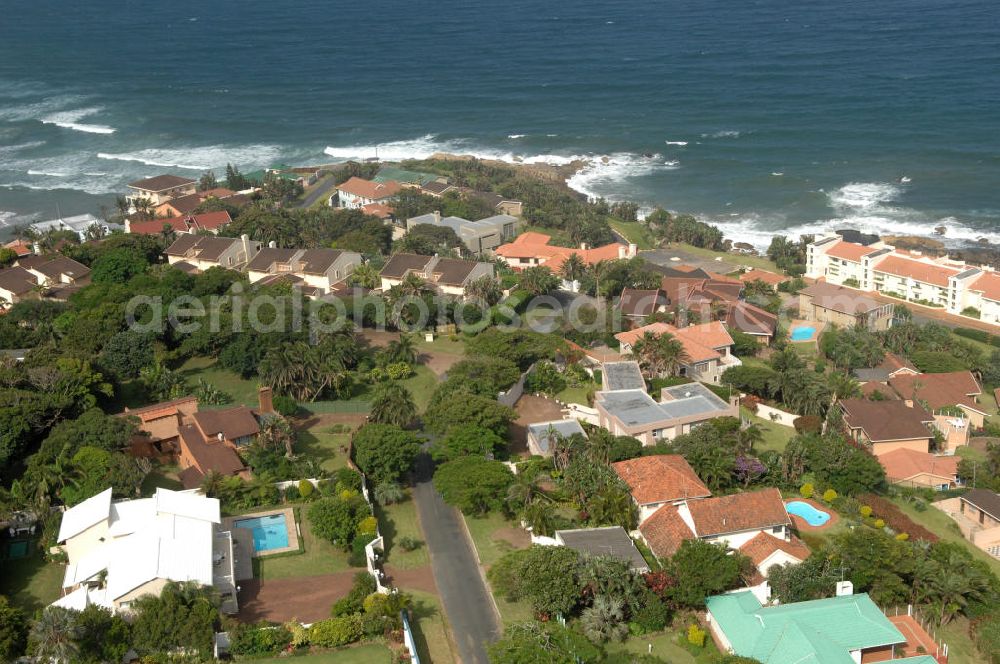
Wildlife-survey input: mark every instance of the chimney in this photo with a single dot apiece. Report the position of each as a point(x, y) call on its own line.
point(265, 397)
point(437, 217)
point(844, 588)
point(633, 250)
point(583, 246)
point(245, 239)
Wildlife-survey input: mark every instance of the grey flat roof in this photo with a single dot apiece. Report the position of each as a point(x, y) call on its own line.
point(877, 375)
point(623, 376)
point(610, 541)
point(632, 407)
point(635, 407)
point(565, 428)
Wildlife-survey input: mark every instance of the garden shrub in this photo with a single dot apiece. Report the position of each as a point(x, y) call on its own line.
point(364, 585)
point(285, 405)
point(696, 636)
point(892, 516)
point(305, 489)
point(357, 556)
point(879, 523)
point(865, 511)
point(260, 639)
point(902, 537)
point(409, 543)
point(807, 490)
point(300, 633)
point(292, 494)
point(346, 478)
point(808, 424)
point(652, 614)
point(335, 632)
point(368, 526)
point(829, 495)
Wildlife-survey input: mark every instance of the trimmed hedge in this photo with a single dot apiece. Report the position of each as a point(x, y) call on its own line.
point(978, 335)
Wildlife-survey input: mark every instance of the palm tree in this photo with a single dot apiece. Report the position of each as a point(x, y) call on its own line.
point(387, 493)
point(660, 355)
point(365, 276)
point(55, 635)
point(605, 620)
point(393, 404)
point(540, 518)
point(403, 349)
point(613, 506)
point(599, 449)
point(747, 437)
point(525, 490)
point(537, 280)
point(276, 433)
point(598, 270)
point(573, 268)
point(485, 289)
point(211, 484)
point(413, 285)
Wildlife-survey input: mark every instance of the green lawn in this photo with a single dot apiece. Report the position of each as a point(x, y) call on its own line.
point(317, 557)
point(398, 521)
point(430, 629)
point(961, 650)
point(372, 653)
point(941, 525)
point(578, 394)
point(421, 385)
point(760, 262)
point(666, 646)
point(482, 529)
point(31, 583)
point(161, 477)
point(776, 436)
point(443, 345)
point(323, 444)
point(241, 390)
point(634, 232)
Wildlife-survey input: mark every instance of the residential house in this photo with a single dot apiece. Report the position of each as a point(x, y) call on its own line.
point(315, 271)
point(533, 249)
point(159, 427)
point(957, 389)
point(357, 192)
point(207, 222)
point(884, 426)
point(636, 305)
point(913, 468)
point(204, 252)
point(658, 480)
point(770, 278)
point(380, 210)
point(448, 276)
point(843, 307)
point(708, 347)
point(501, 204)
point(890, 366)
point(86, 226)
point(982, 295)
point(610, 541)
point(16, 285)
point(209, 441)
point(20, 247)
point(120, 551)
point(681, 408)
point(750, 319)
point(438, 188)
point(622, 375)
point(541, 435)
point(478, 237)
point(847, 629)
point(766, 551)
point(977, 514)
point(161, 188)
point(184, 205)
point(731, 520)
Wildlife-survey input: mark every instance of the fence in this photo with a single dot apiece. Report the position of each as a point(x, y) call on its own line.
point(919, 632)
point(776, 415)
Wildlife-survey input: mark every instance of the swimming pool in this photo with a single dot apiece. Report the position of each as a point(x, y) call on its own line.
point(269, 532)
point(812, 516)
point(17, 549)
point(803, 332)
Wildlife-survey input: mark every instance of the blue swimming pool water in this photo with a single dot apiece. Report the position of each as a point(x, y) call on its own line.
point(813, 516)
point(803, 333)
point(269, 532)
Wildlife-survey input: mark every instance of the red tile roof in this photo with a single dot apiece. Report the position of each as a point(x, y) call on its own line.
point(699, 341)
point(380, 210)
point(769, 278)
point(903, 464)
point(536, 245)
point(664, 531)
point(738, 512)
point(763, 545)
point(660, 478)
point(887, 420)
point(368, 189)
point(192, 223)
point(939, 389)
point(927, 273)
point(988, 285)
point(850, 251)
point(19, 247)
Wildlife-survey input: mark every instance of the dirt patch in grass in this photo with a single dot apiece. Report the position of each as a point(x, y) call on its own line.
point(531, 409)
point(516, 537)
point(307, 598)
point(418, 578)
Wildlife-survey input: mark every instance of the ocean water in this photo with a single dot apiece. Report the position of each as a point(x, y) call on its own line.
point(765, 117)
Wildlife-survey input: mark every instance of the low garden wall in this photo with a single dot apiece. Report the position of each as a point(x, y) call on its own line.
point(776, 415)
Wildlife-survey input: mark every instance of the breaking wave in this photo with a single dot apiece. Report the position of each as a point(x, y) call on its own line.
point(69, 120)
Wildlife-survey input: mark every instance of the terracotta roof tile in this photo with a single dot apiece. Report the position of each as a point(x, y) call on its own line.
point(664, 531)
point(380, 210)
point(886, 420)
point(938, 389)
point(769, 278)
point(660, 478)
point(214, 455)
point(738, 512)
point(699, 341)
point(902, 464)
point(850, 251)
point(763, 545)
point(232, 423)
point(536, 245)
point(192, 223)
point(917, 270)
point(368, 189)
point(988, 285)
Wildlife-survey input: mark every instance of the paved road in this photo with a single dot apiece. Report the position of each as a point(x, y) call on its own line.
point(322, 190)
point(467, 602)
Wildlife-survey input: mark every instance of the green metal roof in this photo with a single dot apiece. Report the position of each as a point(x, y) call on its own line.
point(258, 176)
point(402, 175)
point(821, 631)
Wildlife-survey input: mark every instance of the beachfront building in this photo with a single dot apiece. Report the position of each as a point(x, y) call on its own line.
point(708, 347)
point(187, 204)
point(203, 252)
point(16, 285)
point(316, 271)
point(913, 276)
point(500, 204)
point(533, 249)
point(448, 276)
point(160, 189)
point(824, 302)
point(86, 226)
point(846, 629)
point(357, 192)
point(194, 224)
point(120, 551)
point(633, 412)
point(478, 237)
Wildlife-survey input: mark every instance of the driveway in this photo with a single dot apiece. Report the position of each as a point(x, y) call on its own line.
point(467, 602)
point(322, 189)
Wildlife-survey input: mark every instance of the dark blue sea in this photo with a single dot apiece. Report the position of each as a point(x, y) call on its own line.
point(766, 117)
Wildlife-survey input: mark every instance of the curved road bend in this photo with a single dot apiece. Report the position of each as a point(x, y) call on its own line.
point(467, 602)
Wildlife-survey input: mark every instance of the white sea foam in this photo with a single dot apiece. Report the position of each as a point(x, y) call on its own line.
point(603, 176)
point(515, 136)
point(201, 158)
point(48, 173)
point(726, 133)
point(681, 143)
point(70, 120)
point(867, 196)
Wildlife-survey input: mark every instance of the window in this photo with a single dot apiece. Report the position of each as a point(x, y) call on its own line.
point(777, 530)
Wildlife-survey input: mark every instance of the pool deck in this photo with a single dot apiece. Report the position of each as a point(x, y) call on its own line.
point(245, 535)
point(817, 330)
point(803, 526)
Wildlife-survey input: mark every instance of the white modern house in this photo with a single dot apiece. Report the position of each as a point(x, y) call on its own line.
point(86, 226)
point(120, 551)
